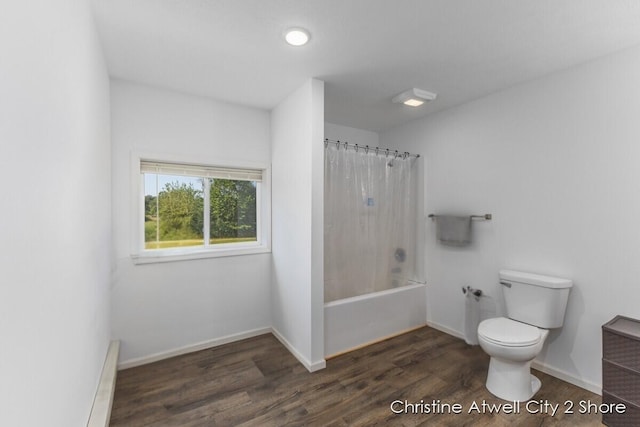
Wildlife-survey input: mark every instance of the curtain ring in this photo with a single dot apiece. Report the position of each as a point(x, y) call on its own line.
point(396, 155)
point(366, 149)
point(337, 145)
point(357, 148)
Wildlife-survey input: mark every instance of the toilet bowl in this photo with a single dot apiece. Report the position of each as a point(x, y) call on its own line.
point(512, 346)
point(534, 304)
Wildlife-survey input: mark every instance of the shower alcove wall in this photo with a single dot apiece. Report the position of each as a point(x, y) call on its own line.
point(373, 286)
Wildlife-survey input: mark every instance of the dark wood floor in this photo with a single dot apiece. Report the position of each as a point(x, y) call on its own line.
point(256, 382)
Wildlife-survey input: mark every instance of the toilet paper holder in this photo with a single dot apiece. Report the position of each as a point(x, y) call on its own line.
point(477, 293)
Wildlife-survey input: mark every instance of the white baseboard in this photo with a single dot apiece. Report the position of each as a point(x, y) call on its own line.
point(321, 364)
point(101, 410)
point(311, 366)
point(138, 361)
point(565, 376)
point(445, 329)
point(554, 372)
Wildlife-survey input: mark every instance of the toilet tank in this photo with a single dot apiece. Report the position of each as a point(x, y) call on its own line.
point(535, 299)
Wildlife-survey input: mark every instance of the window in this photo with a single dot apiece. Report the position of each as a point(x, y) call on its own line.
point(195, 211)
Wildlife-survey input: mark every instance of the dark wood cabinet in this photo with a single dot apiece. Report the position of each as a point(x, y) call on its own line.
point(621, 370)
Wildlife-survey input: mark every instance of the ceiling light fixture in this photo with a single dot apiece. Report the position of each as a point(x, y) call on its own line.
point(414, 97)
point(297, 36)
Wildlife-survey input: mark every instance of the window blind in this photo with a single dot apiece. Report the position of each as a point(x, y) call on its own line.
point(236, 174)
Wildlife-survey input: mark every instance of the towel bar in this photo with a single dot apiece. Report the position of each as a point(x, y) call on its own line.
point(485, 217)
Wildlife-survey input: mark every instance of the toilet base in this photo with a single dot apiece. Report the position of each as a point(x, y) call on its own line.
point(535, 385)
point(511, 381)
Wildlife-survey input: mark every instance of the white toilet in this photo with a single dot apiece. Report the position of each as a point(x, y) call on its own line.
point(534, 305)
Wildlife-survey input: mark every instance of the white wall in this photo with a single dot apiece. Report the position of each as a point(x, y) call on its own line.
point(556, 161)
point(161, 308)
point(297, 198)
point(55, 215)
point(351, 135)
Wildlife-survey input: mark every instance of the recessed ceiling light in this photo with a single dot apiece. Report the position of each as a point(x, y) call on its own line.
point(297, 36)
point(414, 97)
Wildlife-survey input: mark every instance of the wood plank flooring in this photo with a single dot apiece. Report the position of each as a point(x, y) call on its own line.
point(257, 382)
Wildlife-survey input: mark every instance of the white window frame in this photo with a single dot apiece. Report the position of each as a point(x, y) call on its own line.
point(140, 255)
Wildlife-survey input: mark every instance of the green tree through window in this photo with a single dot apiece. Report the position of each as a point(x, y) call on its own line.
point(174, 215)
point(233, 209)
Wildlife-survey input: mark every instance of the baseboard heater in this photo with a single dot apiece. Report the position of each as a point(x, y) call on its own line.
point(101, 410)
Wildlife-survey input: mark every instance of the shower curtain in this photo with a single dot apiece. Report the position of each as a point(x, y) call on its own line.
point(370, 232)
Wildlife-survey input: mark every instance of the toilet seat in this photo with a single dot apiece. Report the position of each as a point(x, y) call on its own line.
point(509, 333)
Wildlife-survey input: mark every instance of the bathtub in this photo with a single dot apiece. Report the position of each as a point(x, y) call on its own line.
point(354, 322)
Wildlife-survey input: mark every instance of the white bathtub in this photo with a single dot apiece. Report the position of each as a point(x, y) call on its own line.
point(357, 321)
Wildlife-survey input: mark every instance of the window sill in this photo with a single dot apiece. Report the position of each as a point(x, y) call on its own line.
point(153, 257)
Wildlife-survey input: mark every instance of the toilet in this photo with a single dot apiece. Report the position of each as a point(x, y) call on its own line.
point(534, 304)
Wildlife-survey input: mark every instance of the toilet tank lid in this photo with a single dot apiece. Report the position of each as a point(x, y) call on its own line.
point(535, 279)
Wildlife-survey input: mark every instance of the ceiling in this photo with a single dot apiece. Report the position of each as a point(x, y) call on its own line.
point(367, 51)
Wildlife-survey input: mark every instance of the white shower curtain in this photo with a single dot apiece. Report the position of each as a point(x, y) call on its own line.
point(369, 221)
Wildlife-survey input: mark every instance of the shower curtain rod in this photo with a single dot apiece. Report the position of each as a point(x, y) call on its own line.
point(386, 151)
